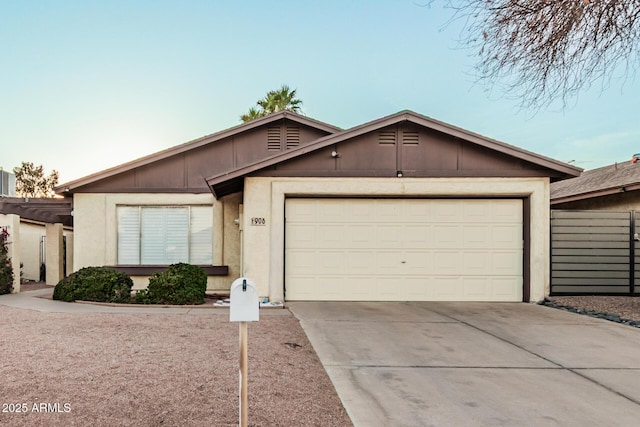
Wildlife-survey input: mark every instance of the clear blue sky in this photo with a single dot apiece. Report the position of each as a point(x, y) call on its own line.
point(86, 85)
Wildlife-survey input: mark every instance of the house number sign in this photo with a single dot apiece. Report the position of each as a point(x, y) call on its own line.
point(258, 221)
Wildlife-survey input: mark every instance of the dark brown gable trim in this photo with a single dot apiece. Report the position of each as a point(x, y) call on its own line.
point(69, 187)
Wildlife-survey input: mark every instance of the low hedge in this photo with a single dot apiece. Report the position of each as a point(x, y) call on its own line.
point(100, 284)
point(180, 284)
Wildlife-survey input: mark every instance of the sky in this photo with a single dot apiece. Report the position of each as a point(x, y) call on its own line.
point(87, 85)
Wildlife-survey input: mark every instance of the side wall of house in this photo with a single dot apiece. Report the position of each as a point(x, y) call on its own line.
point(11, 223)
point(264, 198)
point(96, 230)
point(615, 202)
point(31, 234)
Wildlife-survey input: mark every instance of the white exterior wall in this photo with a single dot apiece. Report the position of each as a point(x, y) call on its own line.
point(96, 229)
point(12, 222)
point(263, 245)
point(30, 235)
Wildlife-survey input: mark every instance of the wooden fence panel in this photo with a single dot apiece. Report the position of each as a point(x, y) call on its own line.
point(591, 252)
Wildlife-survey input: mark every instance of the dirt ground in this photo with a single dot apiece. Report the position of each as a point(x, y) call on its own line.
point(100, 369)
point(173, 369)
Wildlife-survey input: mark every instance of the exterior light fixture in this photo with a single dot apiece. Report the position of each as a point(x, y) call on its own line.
point(335, 154)
point(399, 174)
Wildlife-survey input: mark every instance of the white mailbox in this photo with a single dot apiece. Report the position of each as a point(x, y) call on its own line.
point(244, 303)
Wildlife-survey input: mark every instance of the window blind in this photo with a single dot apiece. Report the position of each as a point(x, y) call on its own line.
point(162, 235)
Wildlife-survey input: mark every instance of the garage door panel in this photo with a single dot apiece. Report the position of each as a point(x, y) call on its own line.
point(507, 288)
point(386, 212)
point(359, 235)
point(448, 211)
point(506, 211)
point(446, 262)
point(506, 263)
point(476, 263)
point(389, 236)
point(447, 288)
point(330, 235)
point(332, 212)
point(475, 288)
point(305, 288)
point(447, 236)
point(302, 261)
point(360, 287)
point(476, 236)
point(398, 250)
point(331, 262)
point(418, 262)
point(476, 212)
point(416, 211)
point(359, 262)
point(300, 236)
point(388, 262)
point(417, 236)
point(332, 286)
point(359, 211)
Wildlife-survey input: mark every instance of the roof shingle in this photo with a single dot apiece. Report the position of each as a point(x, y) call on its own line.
point(597, 182)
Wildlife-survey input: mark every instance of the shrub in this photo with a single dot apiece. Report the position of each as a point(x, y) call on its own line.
point(101, 284)
point(6, 269)
point(179, 284)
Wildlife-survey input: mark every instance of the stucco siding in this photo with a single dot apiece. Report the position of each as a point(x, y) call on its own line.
point(30, 236)
point(89, 225)
point(96, 230)
point(264, 197)
point(626, 201)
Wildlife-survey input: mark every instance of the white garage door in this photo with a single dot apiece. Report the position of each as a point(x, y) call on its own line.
point(403, 250)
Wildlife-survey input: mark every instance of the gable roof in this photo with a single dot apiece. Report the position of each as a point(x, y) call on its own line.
point(196, 143)
point(49, 210)
point(603, 181)
point(228, 182)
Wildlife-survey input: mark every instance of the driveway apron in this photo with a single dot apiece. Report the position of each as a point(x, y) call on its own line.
point(475, 364)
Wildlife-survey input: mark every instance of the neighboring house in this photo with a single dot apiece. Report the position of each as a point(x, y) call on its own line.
point(401, 208)
point(44, 236)
point(613, 187)
point(595, 232)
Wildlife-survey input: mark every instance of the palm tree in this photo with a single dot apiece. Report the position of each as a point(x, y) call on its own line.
point(275, 100)
point(253, 113)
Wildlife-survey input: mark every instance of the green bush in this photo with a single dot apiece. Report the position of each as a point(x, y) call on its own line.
point(101, 284)
point(179, 284)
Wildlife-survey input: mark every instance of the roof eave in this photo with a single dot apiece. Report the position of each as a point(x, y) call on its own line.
point(66, 188)
point(493, 144)
point(594, 194)
point(564, 168)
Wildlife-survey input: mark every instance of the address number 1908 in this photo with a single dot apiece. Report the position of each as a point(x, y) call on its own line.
point(258, 221)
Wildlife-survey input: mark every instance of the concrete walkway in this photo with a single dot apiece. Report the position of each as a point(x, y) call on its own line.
point(475, 364)
point(33, 300)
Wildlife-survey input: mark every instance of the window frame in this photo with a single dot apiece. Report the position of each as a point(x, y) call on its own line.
point(188, 208)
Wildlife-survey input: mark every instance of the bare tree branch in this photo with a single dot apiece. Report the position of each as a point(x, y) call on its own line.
point(543, 51)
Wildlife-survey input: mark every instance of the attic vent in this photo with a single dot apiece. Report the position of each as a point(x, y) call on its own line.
point(410, 137)
point(293, 137)
point(273, 138)
point(387, 137)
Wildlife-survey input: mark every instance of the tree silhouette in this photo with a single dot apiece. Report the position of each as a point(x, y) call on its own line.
point(547, 51)
point(275, 100)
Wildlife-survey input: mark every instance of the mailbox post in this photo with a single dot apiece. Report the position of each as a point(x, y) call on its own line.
point(244, 307)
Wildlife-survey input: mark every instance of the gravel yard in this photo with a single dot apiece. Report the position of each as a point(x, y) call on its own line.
point(179, 369)
point(102, 369)
point(623, 309)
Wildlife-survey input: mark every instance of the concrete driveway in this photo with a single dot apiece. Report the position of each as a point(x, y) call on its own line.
point(475, 364)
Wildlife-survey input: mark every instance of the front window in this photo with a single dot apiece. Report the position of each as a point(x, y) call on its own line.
point(162, 235)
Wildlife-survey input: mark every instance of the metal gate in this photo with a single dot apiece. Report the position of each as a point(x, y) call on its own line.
point(594, 252)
